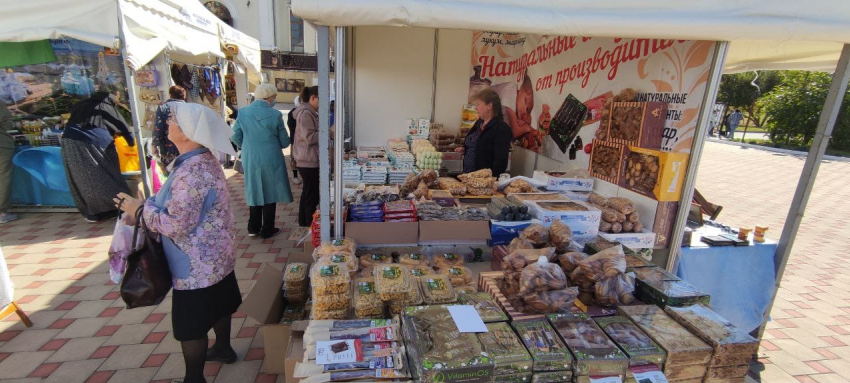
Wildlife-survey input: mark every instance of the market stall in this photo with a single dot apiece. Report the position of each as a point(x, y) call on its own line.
point(130, 53)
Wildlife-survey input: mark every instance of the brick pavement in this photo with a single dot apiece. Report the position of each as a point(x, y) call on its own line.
point(808, 339)
point(82, 333)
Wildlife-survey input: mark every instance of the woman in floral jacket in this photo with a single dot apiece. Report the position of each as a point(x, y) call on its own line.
point(192, 214)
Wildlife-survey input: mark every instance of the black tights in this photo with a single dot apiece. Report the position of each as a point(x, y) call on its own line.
point(195, 351)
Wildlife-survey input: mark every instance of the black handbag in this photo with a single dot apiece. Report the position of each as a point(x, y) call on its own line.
point(147, 279)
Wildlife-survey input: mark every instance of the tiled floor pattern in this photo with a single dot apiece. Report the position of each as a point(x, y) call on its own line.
point(82, 333)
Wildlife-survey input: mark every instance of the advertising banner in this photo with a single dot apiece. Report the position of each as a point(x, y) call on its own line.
point(554, 89)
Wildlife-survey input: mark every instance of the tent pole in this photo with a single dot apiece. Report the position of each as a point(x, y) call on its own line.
point(828, 116)
point(712, 86)
point(131, 95)
point(324, 128)
point(434, 75)
point(339, 132)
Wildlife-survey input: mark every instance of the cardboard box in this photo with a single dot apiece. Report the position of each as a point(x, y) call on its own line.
point(454, 232)
point(383, 233)
point(651, 118)
point(553, 182)
point(545, 346)
point(582, 196)
point(665, 219)
point(667, 185)
point(583, 223)
point(265, 305)
point(643, 240)
point(635, 343)
point(602, 357)
point(683, 348)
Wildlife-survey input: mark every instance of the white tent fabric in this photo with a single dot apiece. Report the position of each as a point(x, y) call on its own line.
point(249, 51)
point(765, 34)
point(94, 21)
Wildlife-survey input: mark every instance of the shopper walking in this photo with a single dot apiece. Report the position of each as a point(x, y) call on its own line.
point(163, 149)
point(7, 151)
point(193, 216)
point(305, 150)
point(260, 133)
point(89, 156)
point(734, 120)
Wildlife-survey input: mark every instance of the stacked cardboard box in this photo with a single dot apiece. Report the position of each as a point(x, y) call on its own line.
point(687, 355)
point(733, 348)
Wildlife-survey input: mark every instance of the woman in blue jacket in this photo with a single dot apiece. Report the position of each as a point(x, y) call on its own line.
point(261, 134)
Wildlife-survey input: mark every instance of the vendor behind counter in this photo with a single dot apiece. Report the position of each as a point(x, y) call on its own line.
point(488, 143)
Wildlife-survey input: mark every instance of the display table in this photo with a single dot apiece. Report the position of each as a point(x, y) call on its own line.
point(740, 279)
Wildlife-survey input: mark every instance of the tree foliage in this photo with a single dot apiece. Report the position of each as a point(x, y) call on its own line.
point(737, 91)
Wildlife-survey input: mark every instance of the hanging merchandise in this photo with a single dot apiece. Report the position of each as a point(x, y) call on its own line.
point(203, 83)
point(176, 74)
point(186, 77)
point(195, 89)
point(148, 78)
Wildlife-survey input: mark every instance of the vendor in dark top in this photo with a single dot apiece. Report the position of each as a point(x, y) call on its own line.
point(488, 143)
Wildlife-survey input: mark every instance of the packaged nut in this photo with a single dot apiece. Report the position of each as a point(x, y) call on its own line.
point(346, 259)
point(367, 304)
point(560, 236)
point(414, 259)
point(520, 259)
point(367, 272)
point(420, 271)
point(604, 264)
point(330, 279)
point(518, 243)
point(295, 275)
point(535, 233)
point(444, 260)
point(458, 275)
point(372, 259)
point(483, 173)
point(616, 290)
point(392, 281)
point(413, 297)
point(555, 301)
point(344, 245)
point(486, 306)
point(466, 290)
point(542, 276)
point(333, 314)
point(437, 289)
point(569, 261)
point(331, 302)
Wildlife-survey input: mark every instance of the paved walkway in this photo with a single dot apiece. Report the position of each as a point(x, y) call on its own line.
point(809, 337)
point(83, 334)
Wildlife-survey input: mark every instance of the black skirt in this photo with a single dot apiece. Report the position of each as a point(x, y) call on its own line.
point(194, 312)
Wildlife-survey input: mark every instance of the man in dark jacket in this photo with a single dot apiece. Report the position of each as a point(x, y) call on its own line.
point(290, 123)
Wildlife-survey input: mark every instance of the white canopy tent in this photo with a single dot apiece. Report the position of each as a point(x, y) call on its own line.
point(143, 29)
point(755, 34)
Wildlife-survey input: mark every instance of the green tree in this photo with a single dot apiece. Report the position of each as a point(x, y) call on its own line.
point(793, 108)
point(738, 91)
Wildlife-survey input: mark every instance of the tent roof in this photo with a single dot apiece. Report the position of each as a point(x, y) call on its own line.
point(765, 34)
point(150, 26)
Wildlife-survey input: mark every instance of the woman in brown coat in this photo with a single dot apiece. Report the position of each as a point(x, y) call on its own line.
point(305, 150)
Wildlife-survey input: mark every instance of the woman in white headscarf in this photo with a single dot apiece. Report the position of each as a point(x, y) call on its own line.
point(192, 214)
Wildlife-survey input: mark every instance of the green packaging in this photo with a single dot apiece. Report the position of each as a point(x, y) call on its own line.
point(594, 352)
point(638, 346)
point(506, 349)
point(486, 306)
point(670, 293)
point(544, 345)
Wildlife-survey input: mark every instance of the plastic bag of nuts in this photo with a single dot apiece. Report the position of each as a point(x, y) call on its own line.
point(555, 301)
point(519, 243)
point(542, 276)
point(616, 290)
point(560, 236)
point(569, 261)
point(535, 233)
point(520, 259)
point(604, 264)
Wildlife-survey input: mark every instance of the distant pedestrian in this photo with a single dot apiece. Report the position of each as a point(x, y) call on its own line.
point(734, 120)
point(305, 150)
point(261, 134)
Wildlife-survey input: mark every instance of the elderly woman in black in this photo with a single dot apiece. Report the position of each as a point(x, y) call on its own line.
point(488, 143)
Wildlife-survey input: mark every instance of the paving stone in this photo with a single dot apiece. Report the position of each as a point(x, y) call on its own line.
point(128, 357)
point(77, 349)
point(21, 364)
point(83, 328)
point(74, 372)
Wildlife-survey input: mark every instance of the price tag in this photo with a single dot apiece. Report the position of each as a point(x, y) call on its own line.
point(648, 374)
point(339, 351)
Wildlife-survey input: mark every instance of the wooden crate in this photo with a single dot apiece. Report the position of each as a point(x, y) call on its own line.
point(683, 348)
point(652, 116)
point(594, 171)
point(732, 346)
point(487, 282)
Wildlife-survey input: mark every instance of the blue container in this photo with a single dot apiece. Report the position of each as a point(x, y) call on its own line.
point(38, 178)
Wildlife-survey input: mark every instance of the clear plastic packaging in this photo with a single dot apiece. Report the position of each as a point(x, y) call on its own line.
point(519, 243)
point(560, 235)
point(413, 297)
point(414, 259)
point(486, 306)
point(622, 205)
point(616, 290)
point(444, 260)
point(421, 271)
point(437, 289)
point(458, 275)
point(372, 259)
point(535, 233)
point(392, 281)
point(295, 276)
point(569, 261)
point(330, 279)
point(334, 314)
point(367, 304)
point(330, 302)
point(555, 301)
point(542, 276)
point(346, 245)
point(604, 264)
point(349, 260)
point(520, 259)
point(367, 272)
